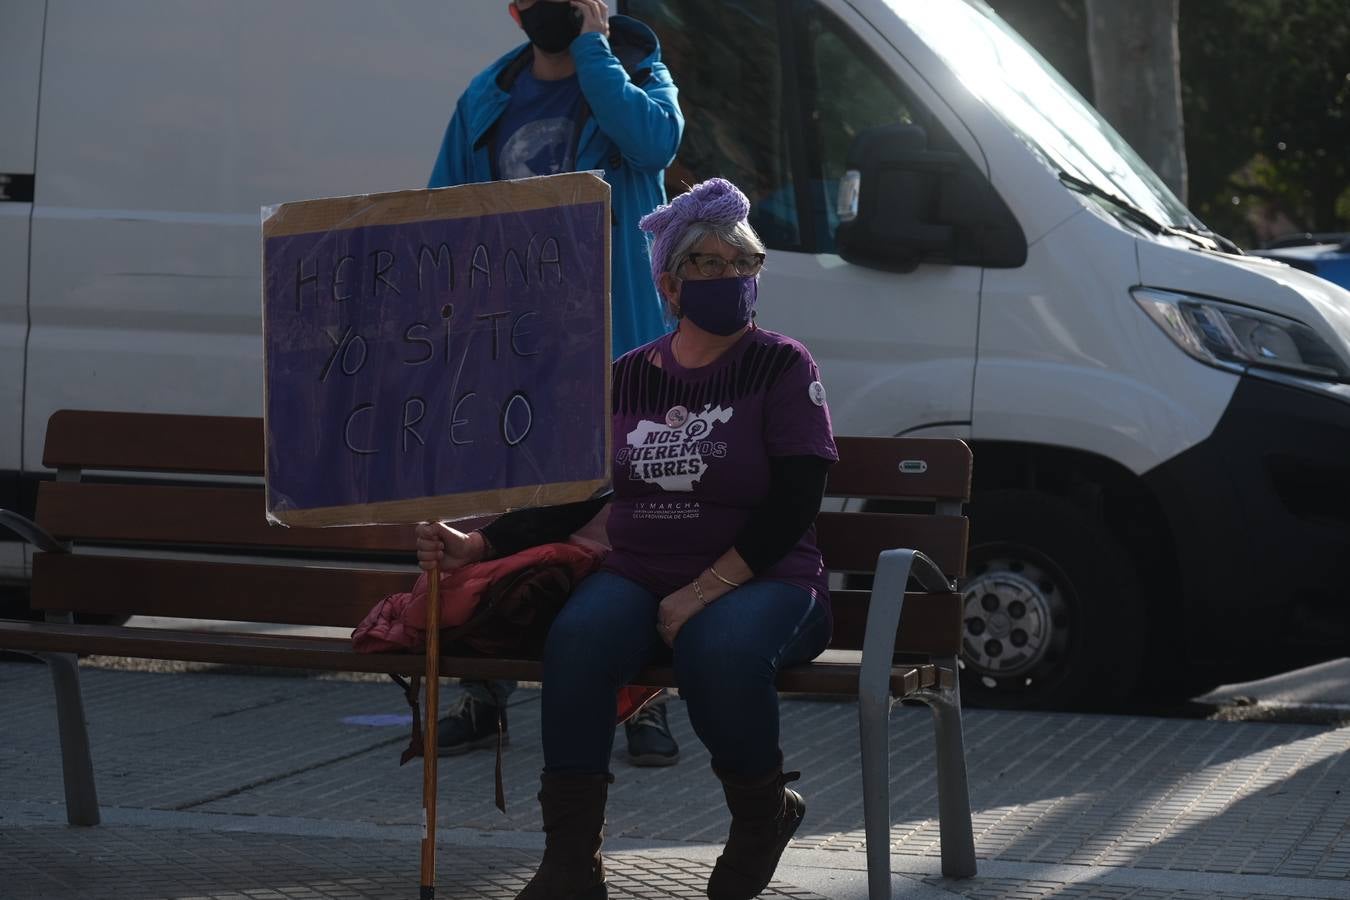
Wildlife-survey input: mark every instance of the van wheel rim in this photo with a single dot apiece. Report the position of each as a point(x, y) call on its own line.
point(1010, 611)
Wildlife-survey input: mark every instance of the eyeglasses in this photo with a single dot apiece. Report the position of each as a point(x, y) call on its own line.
point(710, 265)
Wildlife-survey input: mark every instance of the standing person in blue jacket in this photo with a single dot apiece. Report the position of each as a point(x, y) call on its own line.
point(588, 92)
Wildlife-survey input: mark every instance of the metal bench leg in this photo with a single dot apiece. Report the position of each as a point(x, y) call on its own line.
point(874, 713)
point(954, 826)
point(874, 731)
point(76, 763)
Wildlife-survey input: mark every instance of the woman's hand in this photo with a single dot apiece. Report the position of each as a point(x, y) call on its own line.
point(675, 610)
point(594, 15)
point(439, 544)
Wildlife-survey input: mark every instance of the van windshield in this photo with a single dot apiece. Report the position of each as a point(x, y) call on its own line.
point(1004, 72)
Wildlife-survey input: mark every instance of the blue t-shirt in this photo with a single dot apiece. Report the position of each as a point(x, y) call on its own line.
point(537, 134)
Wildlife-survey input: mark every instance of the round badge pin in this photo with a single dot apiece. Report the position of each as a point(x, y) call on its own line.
point(677, 416)
point(816, 390)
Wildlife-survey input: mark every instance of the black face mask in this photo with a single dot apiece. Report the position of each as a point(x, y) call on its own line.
point(550, 26)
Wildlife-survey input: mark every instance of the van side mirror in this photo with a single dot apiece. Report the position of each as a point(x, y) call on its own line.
point(901, 204)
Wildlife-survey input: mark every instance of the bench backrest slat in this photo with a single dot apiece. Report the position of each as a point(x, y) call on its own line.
point(154, 442)
point(168, 515)
point(157, 516)
point(929, 623)
point(851, 542)
point(176, 515)
point(902, 468)
point(298, 595)
point(229, 445)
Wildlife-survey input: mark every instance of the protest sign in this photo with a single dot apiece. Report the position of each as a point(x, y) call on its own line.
point(437, 354)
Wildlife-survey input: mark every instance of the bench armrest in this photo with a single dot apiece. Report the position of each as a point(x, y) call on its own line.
point(30, 532)
point(928, 575)
point(894, 569)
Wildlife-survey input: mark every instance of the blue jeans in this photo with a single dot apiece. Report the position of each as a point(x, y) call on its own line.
point(726, 659)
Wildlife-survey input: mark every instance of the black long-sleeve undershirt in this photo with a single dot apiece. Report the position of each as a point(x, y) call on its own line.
point(525, 528)
point(796, 486)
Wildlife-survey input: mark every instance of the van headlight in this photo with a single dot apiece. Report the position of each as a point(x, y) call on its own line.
point(1235, 337)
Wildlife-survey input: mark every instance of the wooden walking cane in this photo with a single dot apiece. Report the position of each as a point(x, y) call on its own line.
point(431, 710)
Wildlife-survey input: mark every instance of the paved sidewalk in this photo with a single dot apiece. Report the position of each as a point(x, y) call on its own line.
point(252, 787)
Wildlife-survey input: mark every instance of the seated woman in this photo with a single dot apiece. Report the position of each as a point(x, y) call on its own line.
point(722, 442)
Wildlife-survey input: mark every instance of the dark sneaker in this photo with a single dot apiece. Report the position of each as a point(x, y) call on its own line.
point(470, 725)
point(649, 739)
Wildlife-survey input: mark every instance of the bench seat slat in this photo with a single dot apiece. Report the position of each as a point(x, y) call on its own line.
point(341, 597)
point(335, 654)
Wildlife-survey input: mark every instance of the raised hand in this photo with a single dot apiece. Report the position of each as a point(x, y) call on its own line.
point(594, 15)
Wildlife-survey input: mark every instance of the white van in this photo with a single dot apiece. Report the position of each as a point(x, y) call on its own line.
point(1161, 428)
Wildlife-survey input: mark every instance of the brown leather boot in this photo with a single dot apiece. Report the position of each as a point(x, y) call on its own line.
point(574, 816)
point(764, 816)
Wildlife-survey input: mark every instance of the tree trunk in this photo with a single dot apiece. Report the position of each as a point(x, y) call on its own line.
point(1136, 77)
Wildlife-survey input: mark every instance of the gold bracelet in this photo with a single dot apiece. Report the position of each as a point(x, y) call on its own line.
point(727, 581)
point(698, 592)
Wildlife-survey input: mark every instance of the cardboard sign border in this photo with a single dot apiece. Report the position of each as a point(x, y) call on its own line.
point(443, 508)
point(405, 207)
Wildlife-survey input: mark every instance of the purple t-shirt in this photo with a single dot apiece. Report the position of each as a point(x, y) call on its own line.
point(692, 448)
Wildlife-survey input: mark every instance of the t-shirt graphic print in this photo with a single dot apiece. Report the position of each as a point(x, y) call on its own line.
point(674, 454)
point(536, 135)
point(692, 462)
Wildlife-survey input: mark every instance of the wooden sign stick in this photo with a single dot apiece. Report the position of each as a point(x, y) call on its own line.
point(429, 719)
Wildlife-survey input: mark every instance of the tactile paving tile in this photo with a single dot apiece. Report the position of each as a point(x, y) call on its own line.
point(1010, 889)
point(1117, 791)
point(1150, 793)
point(123, 863)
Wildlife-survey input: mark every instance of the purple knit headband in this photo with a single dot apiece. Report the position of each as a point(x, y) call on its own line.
point(715, 201)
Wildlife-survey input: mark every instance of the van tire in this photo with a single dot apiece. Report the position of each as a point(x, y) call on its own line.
point(1053, 617)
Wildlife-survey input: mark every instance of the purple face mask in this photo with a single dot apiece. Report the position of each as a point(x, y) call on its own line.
point(719, 305)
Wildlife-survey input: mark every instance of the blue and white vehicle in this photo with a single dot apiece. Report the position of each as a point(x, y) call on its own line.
point(1161, 425)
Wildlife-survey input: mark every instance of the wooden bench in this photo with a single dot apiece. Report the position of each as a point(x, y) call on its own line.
point(171, 537)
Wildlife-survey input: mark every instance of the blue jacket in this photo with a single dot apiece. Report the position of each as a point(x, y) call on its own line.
point(631, 129)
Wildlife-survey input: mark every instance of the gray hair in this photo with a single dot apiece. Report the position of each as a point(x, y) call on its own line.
point(739, 235)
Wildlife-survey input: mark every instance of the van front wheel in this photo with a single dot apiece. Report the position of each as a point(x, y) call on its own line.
point(1052, 618)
